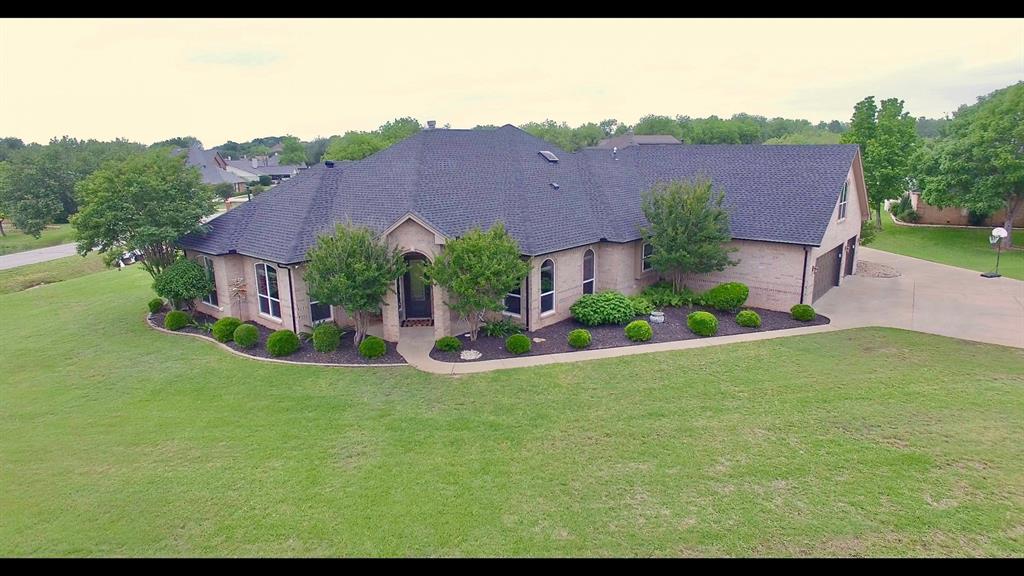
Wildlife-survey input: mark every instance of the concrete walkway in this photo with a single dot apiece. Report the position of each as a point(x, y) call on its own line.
point(927, 297)
point(37, 255)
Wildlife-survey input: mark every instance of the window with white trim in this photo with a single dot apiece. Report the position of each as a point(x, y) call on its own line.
point(514, 302)
point(210, 298)
point(547, 287)
point(320, 312)
point(648, 249)
point(588, 272)
point(842, 201)
point(266, 290)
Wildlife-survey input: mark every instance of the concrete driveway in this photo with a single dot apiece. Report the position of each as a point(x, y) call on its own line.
point(929, 297)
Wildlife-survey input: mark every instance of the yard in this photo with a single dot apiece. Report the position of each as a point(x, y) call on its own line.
point(58, 270)
point(18, 241)
point(119, 440)
point(963, 247)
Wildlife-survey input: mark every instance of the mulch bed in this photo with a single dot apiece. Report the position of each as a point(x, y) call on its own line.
point(613, 335)
point(345, 354)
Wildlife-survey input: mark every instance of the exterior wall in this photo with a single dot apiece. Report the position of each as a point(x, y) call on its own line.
point(955, 216)
point(411, 236)
point(771, 270)
point(227, 269)
point(838, 233)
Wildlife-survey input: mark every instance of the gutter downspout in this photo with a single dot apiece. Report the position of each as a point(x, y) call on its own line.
point(803, 278)
point(291, 292)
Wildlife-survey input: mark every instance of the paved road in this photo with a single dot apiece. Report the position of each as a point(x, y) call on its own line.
point(930, 297)
point(37, 255)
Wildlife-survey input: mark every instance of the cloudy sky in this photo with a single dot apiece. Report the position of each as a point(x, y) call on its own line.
point(148, 80)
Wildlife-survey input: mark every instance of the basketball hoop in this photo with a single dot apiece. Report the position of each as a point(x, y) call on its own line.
point(995, 238)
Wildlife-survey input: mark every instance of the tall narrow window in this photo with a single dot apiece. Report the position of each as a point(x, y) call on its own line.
point(266, 290)
point(547, 287)
point(648, 250)
point(588, 272)
point(842, 202)
point(320, 312)
point(514, 302)
point(210, 298)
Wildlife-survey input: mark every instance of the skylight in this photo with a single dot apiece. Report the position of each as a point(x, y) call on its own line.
point(548, 156)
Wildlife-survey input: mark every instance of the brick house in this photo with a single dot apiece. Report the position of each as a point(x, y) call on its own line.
point(795, 215)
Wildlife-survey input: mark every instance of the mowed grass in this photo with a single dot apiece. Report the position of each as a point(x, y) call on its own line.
point(18, 241)
point(963, 247)
point(119, 440)
point(57, 270)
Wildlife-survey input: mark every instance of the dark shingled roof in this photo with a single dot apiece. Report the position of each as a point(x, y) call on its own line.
point(456, 179)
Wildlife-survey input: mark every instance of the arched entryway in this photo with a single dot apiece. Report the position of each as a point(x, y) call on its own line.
point(415, 304)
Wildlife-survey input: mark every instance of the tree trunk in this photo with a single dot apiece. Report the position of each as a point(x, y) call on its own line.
point(878, 215)
point(360, 334)
point(474, 324)
point(2, 233)
point(1013, 207)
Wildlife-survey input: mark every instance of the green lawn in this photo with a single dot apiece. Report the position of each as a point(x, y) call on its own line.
point(963, 247)
point(119, 440)
point(30, 275)
point(18, 241)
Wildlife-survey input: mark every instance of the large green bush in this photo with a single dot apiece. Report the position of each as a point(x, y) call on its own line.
point(448, 344)
point(607, 307)
point(727, 297)
point(182, 282)
point(224, 329)
point(326, 337)
point(176, 320)
point(802, 312)
point(579, 338)
point(702, 323)
point(282, 343)
point(372, 347)
point(748, 319)
point(639, 331)
point(156, 305)
point(246, 335)
point(664, 295)
point(518, 344)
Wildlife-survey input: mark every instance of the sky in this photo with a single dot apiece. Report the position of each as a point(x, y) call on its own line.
point(236, 79)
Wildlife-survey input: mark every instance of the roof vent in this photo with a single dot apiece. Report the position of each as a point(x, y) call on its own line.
point(431, 124)
point(554, 185)
point(548, 156)
point(615, 152)
point(329, 163)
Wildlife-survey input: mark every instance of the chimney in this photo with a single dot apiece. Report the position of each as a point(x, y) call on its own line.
point(615, 152)
point(431, 124)
point(329, 163)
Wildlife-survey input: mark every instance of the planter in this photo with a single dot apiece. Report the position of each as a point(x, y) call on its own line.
point(657, 317)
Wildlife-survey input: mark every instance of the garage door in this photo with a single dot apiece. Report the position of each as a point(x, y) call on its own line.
point(826, 271)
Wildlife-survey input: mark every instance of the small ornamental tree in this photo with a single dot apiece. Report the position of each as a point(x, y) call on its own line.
point(688, 229)
point(355, 270)
point(477, 270)
point(183, 282)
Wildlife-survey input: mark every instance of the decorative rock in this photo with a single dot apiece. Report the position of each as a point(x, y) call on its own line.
point(539, 340)
point(470, 355)
point(466, 334)
point(657, 317)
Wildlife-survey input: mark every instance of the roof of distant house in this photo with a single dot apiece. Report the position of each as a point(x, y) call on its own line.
point(631, 139)
point(454, 180)
point(211, 166)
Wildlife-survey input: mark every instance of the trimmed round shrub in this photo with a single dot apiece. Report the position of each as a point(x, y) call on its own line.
point(639, 331)
point(326, 337)
point(448, 344)
point(579, 338)
point(282, 343)
point(802, 312)
point(372, 347)
point(224, 329)
point(702, 323)
point(518, 344)
point(156, 305)
point(607, 307)
point(641, 306)
point(727, 297)
point(748, 319)
point(246, 335)
point(176, 320)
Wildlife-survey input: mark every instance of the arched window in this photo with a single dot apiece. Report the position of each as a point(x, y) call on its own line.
point(547, 287)
point(266, 290)
point(588, 272)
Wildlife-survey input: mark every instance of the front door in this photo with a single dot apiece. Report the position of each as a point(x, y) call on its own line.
point(415, 290)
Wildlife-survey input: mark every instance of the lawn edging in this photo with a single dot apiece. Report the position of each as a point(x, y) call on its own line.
point(274, 360)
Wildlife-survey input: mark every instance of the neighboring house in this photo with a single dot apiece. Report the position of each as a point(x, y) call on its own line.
point(252, 168)
point(951, 215)
point(795, 216)
point(212, 167)
point(631, 139)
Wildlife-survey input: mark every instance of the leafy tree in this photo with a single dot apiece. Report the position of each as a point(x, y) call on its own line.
point(812, 136)
point(931, 127)
point(355, 270)
point(688, 229)
point(255, 189)
point(224, 190)
point(979, 162)
point(652, 124)
point(485, 127)
point(182, 282)
point(397, 130)
point(867, 232)
point(29, 208)
point(353, 146)
point(293, 151)
point(477, 270)
point(8, 146)
point(144, 202)
point(178, 141)
point(265, 180)
point(315, 150)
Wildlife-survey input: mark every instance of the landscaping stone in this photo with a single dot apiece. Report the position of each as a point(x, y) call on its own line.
point(539, 340)
point(470, 355)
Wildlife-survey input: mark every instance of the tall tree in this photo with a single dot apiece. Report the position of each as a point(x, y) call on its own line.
point(397, 130)
point(979, 162)
point(353, 146)
point(315, 149)
point(178, 142)
point(143, 202)
point(9, 145)
point(653, 124)
point(477, 270)
point(293, 152)
point(355, 270)
point(688, 229)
